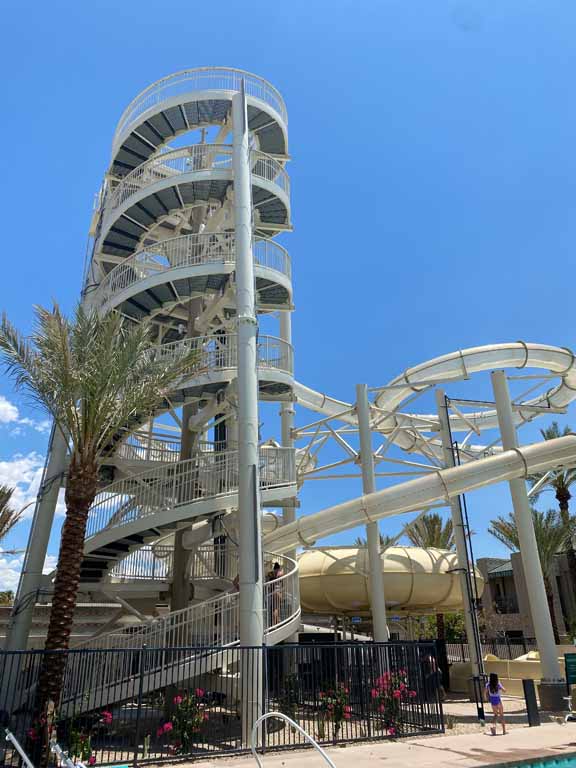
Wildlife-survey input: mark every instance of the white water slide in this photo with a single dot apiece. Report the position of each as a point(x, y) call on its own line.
point(405, 430)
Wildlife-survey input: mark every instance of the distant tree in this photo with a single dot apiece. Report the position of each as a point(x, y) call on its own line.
point(6, 598)
point(551, 536)
point(385, 541)
point(560, 481)
point(431, 531)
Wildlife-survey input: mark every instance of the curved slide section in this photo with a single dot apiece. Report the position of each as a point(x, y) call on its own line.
point(335, 580)
point(456, 366)
point(442, 485)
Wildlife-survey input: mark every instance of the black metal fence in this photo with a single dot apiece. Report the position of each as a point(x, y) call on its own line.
point(163, 704)
point(503, 649)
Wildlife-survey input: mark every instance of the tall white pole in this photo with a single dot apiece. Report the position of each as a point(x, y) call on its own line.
point(462, 554)
point(527, 540)
point(287, 423)
point(250, 547)
point(38, 538)
point(377, 597)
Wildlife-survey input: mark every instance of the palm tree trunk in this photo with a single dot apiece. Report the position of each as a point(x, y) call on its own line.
point(563, 497)
point(550, 598)
point(440, 627)
point(81, 487)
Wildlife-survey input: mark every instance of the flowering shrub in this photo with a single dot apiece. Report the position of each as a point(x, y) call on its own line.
point(334, 707)
point(188, 718)
point(81, 738)
point(389, 693)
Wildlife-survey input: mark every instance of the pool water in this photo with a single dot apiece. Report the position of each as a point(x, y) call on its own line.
point(551, 762)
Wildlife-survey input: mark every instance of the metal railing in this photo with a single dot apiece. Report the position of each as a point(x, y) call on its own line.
point(143, 446)
point(299, 681)
point(201, 78)
point(221, 352)
point(149, 563)
point(503, 649)
point(153, 562)
point(188, 251)
point(173, 485)
point(197, 157)
point(211, 622)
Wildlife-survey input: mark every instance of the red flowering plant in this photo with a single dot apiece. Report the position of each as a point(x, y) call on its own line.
point(389, 693)
point(189, 716)
point(81, 736)
point(335, 708)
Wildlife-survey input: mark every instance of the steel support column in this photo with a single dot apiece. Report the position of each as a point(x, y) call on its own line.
point(250, 547)
point(527, 539)
point(377, 597)
point(38, 538)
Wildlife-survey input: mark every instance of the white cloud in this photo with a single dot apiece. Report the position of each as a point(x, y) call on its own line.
point(23, 472)
point(10, 567)
point(9, 414)
point(8, 411)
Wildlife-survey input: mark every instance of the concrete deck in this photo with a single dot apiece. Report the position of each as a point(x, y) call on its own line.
point(464, 751)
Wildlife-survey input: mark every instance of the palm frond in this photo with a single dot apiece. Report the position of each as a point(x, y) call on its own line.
point(552, 535)
point(431, 530)
point(8, 516)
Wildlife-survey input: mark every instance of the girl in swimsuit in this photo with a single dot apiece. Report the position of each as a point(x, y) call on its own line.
point(493, 689)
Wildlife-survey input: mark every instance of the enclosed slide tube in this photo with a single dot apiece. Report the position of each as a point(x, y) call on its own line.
point(335, 581)
point(414, 495)
point(455, 366)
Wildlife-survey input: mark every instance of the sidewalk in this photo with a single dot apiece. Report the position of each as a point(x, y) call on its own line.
point(464, 751)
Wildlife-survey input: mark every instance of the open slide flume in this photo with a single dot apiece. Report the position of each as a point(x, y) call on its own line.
point(442, 485)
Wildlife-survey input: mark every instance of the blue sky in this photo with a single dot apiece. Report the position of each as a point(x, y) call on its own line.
point(433, 176)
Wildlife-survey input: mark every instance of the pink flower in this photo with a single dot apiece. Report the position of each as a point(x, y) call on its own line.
point(392, 731)
point(200, 692)
point(32, 734)
point(348, 709)
point(346, 690)
point(330, 707)
point(321, 695)
point(167, 727)
point(160, 731)
point(382, 708)
point(374, 693)
point(412, 694)
point(347, 715)
point(177, 700)
point(106, 717)
point(402, 687)
point(397, 694)
point(205, 715)
point(91, 760)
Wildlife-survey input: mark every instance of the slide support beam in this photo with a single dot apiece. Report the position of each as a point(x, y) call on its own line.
point(377, 596)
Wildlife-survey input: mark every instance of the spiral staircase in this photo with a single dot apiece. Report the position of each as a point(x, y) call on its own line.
point(164, 243)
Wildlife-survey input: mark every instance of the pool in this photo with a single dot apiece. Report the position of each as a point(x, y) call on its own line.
point(569, 761)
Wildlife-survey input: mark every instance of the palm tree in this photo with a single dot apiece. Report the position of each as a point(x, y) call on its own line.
point(6, 597)
point(8, 516)
point(551, 534)
point(560, 481)
point(432, 531)
point(385, 541)
point(94, 376)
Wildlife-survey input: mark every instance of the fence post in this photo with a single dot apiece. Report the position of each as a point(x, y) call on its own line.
point(462, 652)
point(508, 647)
point(139, 709)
